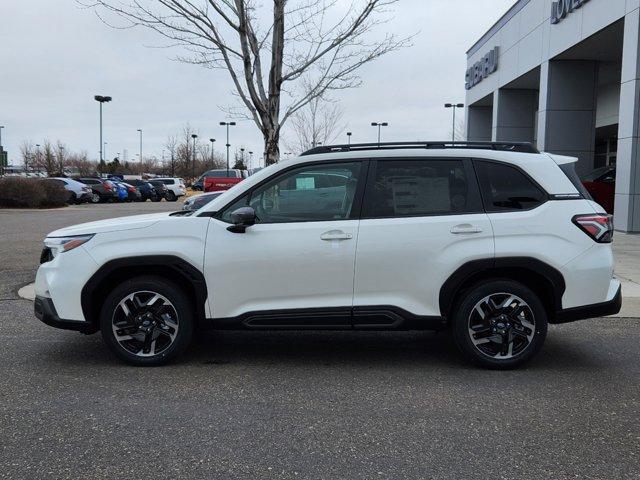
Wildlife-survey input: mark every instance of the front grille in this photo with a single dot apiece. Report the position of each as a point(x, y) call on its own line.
point(46, 255)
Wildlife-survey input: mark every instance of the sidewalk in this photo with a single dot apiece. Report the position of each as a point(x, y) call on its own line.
point(627, 252)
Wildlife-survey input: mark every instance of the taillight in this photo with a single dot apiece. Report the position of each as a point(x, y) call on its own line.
point(598, 226)
point(107, 186)
point(132, 189)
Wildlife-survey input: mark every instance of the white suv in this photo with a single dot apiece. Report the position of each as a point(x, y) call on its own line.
point(175, 188)
point(493, 241)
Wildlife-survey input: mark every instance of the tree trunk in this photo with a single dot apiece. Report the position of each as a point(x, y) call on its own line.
point(271, 145)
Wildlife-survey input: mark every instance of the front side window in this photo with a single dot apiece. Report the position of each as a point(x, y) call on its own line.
point(413, 188)
point(505, 188)
point(306, 194)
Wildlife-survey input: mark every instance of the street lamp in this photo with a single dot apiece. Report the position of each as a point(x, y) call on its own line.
point(1, 154)
point(242, 156)
point(61, 159)
point(228, 124)
point(213, 144)
point(379, 125)
point(250, 159)
point(105, 150)
point(193, 163)
point(349, 137)
point(454, 106)
point(140, 154)
point(37, 159)
point(101, 99)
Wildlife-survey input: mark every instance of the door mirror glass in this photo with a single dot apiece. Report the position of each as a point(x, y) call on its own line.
point(242, 218)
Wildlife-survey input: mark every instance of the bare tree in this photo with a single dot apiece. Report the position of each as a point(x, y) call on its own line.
point(318, 122)
point(27, 152)
point(172, 146)
point(283, 46)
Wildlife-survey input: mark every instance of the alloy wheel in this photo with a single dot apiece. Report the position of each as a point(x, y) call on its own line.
point(502, 326)
point(145, 323)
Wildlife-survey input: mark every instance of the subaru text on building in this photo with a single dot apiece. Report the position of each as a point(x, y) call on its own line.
point(493, 241)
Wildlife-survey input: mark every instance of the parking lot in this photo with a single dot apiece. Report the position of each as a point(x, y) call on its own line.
point(304, 404)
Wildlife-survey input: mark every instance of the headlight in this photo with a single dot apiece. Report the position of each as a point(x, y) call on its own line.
point(64, 244)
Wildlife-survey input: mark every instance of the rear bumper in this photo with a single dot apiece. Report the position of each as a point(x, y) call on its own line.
point(610, 307)
point(45, 311)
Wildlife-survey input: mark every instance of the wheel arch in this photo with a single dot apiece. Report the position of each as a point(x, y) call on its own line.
point(173, 268)
point(542, 278)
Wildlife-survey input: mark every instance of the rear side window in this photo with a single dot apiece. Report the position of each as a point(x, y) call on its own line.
point(505, 188)
point(415, 188)
point(168, 182)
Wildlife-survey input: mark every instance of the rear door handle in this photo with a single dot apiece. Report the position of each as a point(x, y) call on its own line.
point(465, 229)
point(335, 235)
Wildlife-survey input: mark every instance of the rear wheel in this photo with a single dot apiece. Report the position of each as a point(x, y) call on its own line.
point(171, 197)
point(95, 198)
point(147, 321)
point(499, 324)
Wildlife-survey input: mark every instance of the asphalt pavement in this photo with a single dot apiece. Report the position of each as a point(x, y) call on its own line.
point(312, 405)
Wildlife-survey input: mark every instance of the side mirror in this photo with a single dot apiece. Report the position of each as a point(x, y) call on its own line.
point(242, 218)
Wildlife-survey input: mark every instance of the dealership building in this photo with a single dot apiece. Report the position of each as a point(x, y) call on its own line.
point(565, 75)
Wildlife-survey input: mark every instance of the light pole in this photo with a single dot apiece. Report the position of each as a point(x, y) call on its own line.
point(193, 162)
point(454, 106)
point(349, 137)
point(242, 156)
point(1, 154)
point(228, 124)
point(105, 150)
point(37, 159)
point(140, 158)
point(101, 99)
point(61, 159)
point(379, 125)
point(213, 144)
point(250, 159)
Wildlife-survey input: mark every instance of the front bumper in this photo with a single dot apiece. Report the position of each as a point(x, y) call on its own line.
point(610, 307)
point(45, 311)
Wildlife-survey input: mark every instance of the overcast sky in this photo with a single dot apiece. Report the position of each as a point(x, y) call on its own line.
point(55, 56)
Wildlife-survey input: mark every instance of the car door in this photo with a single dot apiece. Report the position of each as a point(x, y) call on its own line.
point(295, 266)
point(422, 219)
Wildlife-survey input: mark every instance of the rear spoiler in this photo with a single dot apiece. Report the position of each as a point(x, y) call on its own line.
point(561, 159)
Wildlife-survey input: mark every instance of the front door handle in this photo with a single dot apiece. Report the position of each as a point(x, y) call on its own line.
point(465, 229)
point(335, 235)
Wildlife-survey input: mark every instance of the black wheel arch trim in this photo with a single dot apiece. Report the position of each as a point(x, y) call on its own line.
point(181, 268)
point(483, 267)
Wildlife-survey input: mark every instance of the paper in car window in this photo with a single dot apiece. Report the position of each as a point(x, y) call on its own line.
point(305, 183)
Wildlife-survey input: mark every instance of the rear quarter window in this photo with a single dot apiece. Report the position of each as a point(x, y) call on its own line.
point(506, 188)
point(569, 170)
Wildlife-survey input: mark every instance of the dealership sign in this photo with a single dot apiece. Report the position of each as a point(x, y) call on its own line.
point(487, 65)
point(562, 8)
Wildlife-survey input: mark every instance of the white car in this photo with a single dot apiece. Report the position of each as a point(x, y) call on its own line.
point(78, 192)
point(175, 188)
point(492, 241)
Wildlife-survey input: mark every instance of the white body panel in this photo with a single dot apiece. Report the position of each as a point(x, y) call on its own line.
point(403, 262)
point(279, 266)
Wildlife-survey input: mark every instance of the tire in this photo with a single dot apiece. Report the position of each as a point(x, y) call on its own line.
point(171, 197)
point(170, 323)
point(73, 199)
point(155, 199)
point(499, 324)
point(95, 198)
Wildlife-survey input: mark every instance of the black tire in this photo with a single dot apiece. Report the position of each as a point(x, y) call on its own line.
point(180, 308)
point(95, 198)
point(73, 199)
point(171, 197)
point(499, 322)
point(155, 198)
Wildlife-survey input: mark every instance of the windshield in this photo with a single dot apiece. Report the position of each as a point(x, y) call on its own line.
point(597, 173)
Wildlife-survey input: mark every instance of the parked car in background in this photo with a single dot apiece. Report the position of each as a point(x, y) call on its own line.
point(123, 194)
point(147, 191)
point(133, 193)
point(78, 191)
point(220, 180)
point(601, 184)
point(175, 188)
point(160, 188)
point(253, 171)
point(198, 201)
point(102, 190)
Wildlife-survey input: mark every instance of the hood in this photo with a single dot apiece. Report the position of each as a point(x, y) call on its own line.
point(111, 225)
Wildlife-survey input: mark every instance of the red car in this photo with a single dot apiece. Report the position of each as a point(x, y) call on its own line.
point(219, 180)
point(601, 184)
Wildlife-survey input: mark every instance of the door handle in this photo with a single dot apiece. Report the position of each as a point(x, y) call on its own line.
point(465, 229)
point(335, 235)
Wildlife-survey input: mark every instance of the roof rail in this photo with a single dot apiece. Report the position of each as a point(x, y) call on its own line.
point(522, 147)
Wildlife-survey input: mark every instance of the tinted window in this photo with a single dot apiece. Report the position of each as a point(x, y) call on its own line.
point(168, 182)
point(306, 194)
point(420, 188)
point(570, 171)
point(221, 174)
point(505, 188)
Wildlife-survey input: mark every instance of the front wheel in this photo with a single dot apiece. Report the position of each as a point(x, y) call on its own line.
point(147, 321)
point(499, 324)
point(95, 198)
